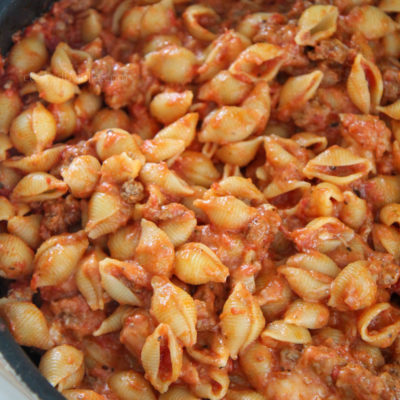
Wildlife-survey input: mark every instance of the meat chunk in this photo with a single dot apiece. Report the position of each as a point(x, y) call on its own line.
point(332, 50)
point(132, 191)
point(119, 82)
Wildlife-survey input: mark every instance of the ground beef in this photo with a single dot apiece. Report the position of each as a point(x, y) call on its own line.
point(59, 216)
point(391, 86)
point(132, 191)
point(332, 50)
point(117, 81)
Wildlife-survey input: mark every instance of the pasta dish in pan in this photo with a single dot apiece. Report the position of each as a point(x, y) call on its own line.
point(201, 199)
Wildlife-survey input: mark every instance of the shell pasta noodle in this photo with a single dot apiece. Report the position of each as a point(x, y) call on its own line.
point(200, 199)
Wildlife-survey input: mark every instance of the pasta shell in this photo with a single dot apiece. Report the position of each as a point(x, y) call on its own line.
point(71, 64)
point(179, 228)
point(329, 337)
point(210, 349)
point(38, 186)
point(224, 89)
point(258, 61)
point(239, 153)
point(167, 107)
point(391, 110)
point(182, 129)
point(38, 162)
point(214, 385)
point(7, 210)
point(298, 90)
point(306, 314)
point(383, 336)
point(197, 264)
point(10, 106)
point(316, 23)
point(88, 281)
point(371, 22)
point(91, 26)
point(389, 6)
point(284, 332)
point(87, 104)
point(27, 324)
point(114, 322)
point(365, 84)
point(122, 244)
point(138, 325)
point(226, 212)
point(111, 142)
point(81, 394)
point(57, 259)
point(241, 320)
point(162, 149)
point(238, 186)
point(63, 367)
point(310, 140)
point(26, 228)
point(155, 252)
point(162, 349)
point(129, 385)
point(310, 286)
point(33, 130)
point(120, 168)
point(53, 89)
point(228, 124)
point(386, 238)
point(82, 175)
point(196, 169)
point(221, 53)
point(167, 180)
point(123, 281)
point(249, 26)
point(337, 165)
point(192, 18)
point(16, 258)
point(390, 214)
point(178, 393)
point(257, 362)
point(354, 288)
point(171, 305)
point(106, 211)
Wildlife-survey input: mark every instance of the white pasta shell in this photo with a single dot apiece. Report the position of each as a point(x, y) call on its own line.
point(238, 186)
point(26, 228)
point(16, 257)
point(228, 124)
point(130, 385)
point(306, 314)
point(113, 322)
point(10, 106)
point(197, 264)
point(167, 180)
point(5, 145)
point(168, 107)
point(74, 65)
point(171, 305)
point(213, 386)
point(316, 23)
point(27, 324)
point(122, 244)
point(38, 162)
point(162, 149)
point(162, 343)
point(227, 212)
point(241, 320)
point(354, 288)
point(191, 18)
point(327, 164)
point(258, 61)
point(57, 258)
point(120, 168)
point(284, 332)
point(121, 291)
point(314, 261)
point(63, 366)
point(243, 394)
point(38, 186)
point(178, 393)
point(389, 6)
point(33, 130)
point(88, 281)
point(158, 262)
point(247, 150)
point(53, 89)
point(82, 175)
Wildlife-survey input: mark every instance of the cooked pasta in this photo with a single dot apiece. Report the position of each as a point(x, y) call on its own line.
point(201, 199)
